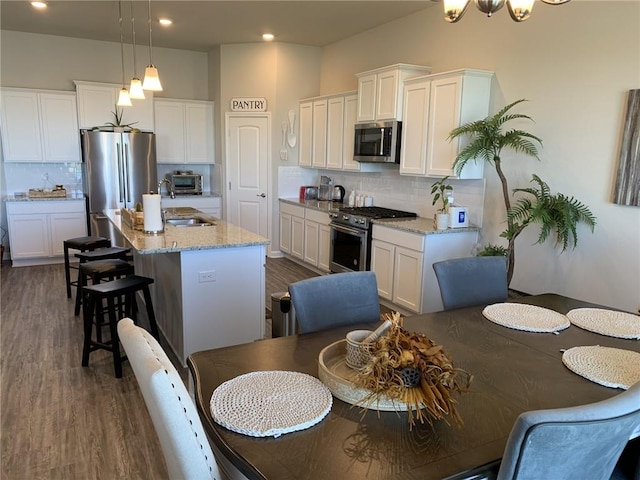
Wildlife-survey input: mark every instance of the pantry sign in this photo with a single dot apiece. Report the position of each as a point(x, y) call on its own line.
point(249, 104)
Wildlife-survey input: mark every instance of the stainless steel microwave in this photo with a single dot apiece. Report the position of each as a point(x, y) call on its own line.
point(377, 142)
point(186, 183)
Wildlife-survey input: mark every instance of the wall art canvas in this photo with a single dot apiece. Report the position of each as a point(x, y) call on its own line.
point(627, 191)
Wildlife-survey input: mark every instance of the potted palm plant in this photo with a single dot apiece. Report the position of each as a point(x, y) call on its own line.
point(440, 191)
point(556, 213)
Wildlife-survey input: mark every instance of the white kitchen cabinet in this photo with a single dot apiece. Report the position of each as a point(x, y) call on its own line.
point(403, 264)
point(398, 266)
point(319, 141)
point(97, 102)
point(39, 126)
point(292, 229)
point(184, 131)
point(305, 142)
point(317, 239)
point(335, 132)
point(380, 91)
point(435, 105)
point(38, 228)
point(206, 204)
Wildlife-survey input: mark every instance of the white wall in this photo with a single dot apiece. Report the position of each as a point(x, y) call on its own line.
point(282, 73)
point(575, 63)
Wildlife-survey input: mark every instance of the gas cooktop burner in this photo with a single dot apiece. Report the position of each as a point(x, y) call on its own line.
point(376, 212)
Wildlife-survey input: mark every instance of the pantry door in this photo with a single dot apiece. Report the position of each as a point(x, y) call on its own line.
point(248, 157)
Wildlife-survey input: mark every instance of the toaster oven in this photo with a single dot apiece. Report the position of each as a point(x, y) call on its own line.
point(186, 183)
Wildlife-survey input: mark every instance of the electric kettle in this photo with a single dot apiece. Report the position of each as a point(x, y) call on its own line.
point(338, 194)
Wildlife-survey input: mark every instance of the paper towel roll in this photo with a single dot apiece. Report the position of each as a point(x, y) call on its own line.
point(152, 212)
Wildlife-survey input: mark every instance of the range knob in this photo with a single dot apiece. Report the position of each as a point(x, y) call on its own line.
point(345, 217)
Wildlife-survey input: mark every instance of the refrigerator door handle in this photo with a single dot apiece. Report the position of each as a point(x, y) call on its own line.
point(120, 172)
point(127, 173)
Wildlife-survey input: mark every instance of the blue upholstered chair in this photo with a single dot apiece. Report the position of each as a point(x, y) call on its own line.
point(579, 443)
point(470, 281)
point(334, 300)
point(184, 443)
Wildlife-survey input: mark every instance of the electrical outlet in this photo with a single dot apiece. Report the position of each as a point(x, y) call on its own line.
point(283, 155)
point(207, 276)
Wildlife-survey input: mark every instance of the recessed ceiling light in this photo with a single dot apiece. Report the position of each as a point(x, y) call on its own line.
point(39, 4)
point(165, 21)
point(267, 37)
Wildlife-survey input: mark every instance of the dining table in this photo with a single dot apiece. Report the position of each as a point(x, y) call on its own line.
point(513, 371)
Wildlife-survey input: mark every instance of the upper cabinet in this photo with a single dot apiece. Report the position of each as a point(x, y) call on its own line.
point(433, 106)
point(327, 126)
point(380, 91)
point(96, 104)
point(184, 131)
point(39, 126)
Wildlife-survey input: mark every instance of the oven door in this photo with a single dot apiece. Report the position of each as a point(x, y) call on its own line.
point(348, 249)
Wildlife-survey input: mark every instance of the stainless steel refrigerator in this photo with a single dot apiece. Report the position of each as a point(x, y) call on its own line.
point(117, 169)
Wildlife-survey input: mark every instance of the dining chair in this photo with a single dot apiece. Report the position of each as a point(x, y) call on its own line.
point(471, 281)
point(184, 443)
point(334, 300)
point(572, 443)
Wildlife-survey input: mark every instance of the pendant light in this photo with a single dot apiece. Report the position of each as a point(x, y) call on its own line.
point(123, 97)
point(151, 78)
point(519, 10)
point(135, 88)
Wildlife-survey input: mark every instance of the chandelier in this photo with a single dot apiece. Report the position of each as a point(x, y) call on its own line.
point(519, 10)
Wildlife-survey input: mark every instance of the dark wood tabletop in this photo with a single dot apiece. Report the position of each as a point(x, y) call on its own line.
point(513, 371)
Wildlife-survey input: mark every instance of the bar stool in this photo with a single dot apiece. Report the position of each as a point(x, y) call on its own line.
point(98, 270)
point(83, 244)
point(111, 291)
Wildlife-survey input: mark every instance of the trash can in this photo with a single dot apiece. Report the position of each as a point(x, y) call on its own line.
point(283, 321)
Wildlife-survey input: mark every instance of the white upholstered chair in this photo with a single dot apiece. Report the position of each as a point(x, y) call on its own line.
point(184, 443)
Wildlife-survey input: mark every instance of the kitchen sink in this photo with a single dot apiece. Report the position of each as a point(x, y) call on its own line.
point(190, 222)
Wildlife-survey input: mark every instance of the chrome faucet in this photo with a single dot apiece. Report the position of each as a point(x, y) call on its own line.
point(169, 187)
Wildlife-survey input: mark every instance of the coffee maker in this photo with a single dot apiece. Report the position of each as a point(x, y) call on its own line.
point(325, 189)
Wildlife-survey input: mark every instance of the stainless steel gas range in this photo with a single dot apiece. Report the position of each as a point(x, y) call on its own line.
point(351, 236)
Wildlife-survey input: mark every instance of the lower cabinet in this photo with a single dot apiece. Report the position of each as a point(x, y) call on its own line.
point(403, 264)
point(305, 235)
point(38, 228)
point(209, 205)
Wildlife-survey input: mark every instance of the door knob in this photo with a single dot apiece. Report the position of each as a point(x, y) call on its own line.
point(261, 195)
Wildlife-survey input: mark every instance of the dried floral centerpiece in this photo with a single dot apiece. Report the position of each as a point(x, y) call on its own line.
point(412, 369)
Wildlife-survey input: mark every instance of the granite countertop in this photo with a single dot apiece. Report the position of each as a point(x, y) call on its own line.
point(421, 225)
point(321, 205)
point(27, 198)
point(180, 239)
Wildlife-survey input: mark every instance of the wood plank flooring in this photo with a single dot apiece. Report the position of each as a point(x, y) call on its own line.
point(58, 419)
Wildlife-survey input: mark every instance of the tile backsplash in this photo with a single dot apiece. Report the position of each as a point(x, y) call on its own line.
point(389, 189)
point(20, 177)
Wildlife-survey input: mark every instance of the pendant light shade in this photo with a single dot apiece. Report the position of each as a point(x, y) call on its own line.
point(123, 97)
point(124, 100)
point(151, 77)
point(454, 9)
point(135, 87)
point(520, 9)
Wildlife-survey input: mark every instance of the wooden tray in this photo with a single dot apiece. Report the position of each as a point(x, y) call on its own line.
point(37, 193)
point(334, 372)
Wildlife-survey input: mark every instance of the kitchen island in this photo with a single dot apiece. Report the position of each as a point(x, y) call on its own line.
point(209, 288)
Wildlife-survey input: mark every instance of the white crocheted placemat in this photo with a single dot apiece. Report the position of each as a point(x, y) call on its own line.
point(270, 403)
point(611, 367)
point(529, 318)
point(607, 322)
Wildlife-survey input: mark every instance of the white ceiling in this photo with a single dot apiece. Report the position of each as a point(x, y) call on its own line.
point(200, 25)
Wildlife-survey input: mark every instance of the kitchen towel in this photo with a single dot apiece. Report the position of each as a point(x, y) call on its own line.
point(152, 214)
